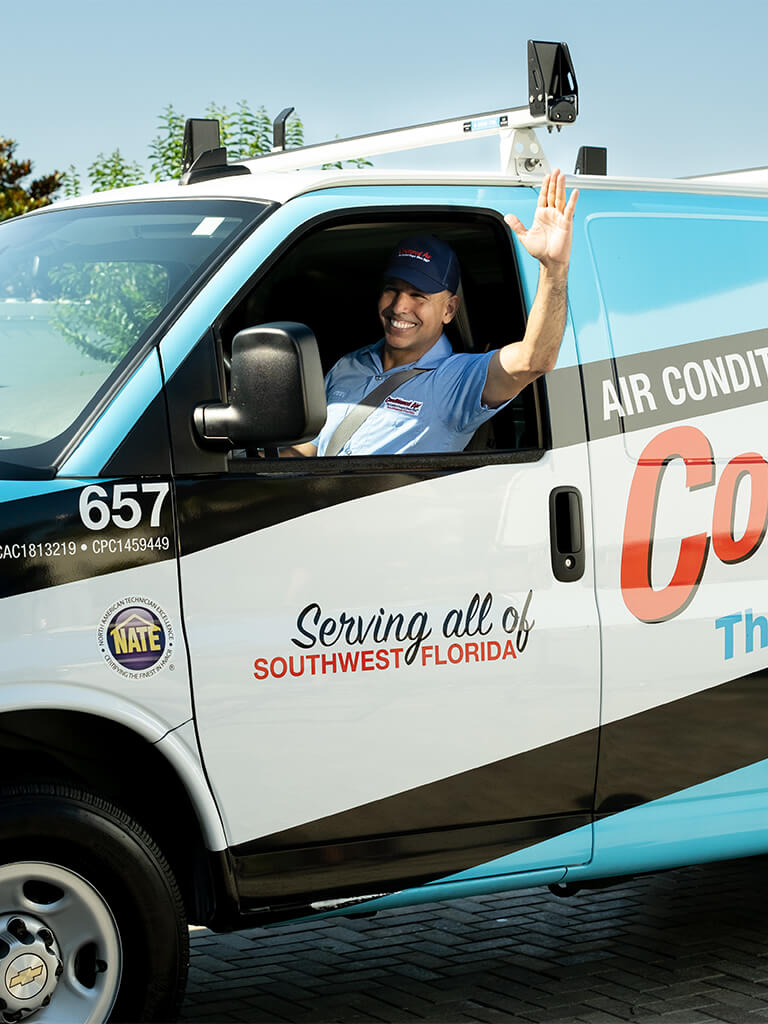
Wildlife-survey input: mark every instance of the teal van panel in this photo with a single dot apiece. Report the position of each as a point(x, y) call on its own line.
point(722, 818)
point(677, 279)
point(650, 270)
point(18, 490)
point(114, 424)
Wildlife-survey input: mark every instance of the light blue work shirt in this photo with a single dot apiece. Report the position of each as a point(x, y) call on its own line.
point(437, 411)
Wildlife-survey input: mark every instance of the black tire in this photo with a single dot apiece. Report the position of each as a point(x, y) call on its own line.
point(57, 838)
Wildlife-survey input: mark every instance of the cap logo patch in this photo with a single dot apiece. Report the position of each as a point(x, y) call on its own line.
point(415, 254)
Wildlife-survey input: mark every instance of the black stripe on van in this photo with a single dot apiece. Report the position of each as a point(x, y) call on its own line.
point(682, 743)
point(468, 819)
point(45, 543)
point(213, 510)
point(427, 832)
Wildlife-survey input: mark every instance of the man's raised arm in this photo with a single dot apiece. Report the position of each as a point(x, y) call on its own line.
point(549, 241)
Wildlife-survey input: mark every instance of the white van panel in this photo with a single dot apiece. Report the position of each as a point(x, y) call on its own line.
point(281, 751)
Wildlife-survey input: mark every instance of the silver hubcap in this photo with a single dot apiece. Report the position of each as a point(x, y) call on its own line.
point(60, 955)
point(27, 976)
point(30, 964)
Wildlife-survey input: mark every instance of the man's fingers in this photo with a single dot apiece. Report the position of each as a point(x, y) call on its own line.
point(560, 201)
point(515, 224)
point(553, 187)
point(552, 195)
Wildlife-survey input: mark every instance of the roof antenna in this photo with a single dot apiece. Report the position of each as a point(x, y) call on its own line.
point(278, 129)
point(592, 160)
point(201, 135)
point(203, 156)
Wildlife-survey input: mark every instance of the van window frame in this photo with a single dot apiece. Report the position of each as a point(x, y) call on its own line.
point(429, 463)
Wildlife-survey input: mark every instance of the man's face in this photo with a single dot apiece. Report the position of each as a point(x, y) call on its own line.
point(413, 320)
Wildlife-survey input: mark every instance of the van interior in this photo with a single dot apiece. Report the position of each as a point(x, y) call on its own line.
point(329, 279)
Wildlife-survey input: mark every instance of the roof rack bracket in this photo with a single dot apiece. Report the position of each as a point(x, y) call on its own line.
point(521, 153)
point(552, 89)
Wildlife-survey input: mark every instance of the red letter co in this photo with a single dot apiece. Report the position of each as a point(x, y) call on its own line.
point(693, 447)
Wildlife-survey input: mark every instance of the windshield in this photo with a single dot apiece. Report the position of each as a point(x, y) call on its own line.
point(82, 289)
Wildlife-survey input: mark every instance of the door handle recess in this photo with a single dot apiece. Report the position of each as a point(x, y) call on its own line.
point(566, 534)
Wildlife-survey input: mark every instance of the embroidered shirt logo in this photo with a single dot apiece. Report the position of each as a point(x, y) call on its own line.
point(408, 406)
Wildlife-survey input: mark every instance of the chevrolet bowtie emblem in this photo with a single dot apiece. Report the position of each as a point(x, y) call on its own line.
point(24, 977)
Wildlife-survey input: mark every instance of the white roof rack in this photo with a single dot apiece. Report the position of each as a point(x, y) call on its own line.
point(552, 102)
point(747, 176)
point(520, 150)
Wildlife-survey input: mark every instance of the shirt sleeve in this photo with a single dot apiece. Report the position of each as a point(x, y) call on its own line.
point(459, 383)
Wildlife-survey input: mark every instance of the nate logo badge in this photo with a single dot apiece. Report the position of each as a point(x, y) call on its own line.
point(136, 637)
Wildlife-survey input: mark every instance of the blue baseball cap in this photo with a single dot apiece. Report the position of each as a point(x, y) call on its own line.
point(426, 262)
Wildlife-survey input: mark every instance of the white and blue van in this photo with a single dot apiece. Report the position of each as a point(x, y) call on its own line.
point(237, 688)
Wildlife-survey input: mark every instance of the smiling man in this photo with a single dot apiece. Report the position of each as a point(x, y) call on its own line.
point(409, 392)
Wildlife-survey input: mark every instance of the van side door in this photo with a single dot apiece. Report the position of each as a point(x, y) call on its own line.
point(670, 295)
point(395, 659)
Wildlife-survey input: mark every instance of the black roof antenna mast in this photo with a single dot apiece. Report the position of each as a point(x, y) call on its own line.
point(278, 129)
point(203, 156)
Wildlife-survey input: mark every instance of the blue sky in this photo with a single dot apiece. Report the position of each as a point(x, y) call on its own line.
point(671, 87)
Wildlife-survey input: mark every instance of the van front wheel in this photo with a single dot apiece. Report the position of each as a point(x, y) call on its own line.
point(92, 926)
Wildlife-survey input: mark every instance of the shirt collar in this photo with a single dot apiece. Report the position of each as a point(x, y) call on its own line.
point(439, 351)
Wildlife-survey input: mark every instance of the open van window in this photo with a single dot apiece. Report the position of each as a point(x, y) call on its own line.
point(330, 279)
point(81, 293)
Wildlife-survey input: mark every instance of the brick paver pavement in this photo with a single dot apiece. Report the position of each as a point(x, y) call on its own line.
point(684, 947)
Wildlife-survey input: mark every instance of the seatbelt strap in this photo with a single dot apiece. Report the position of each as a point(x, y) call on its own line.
point(370, 403)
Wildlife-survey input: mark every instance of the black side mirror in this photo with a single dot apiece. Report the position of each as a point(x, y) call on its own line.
point(277, 394)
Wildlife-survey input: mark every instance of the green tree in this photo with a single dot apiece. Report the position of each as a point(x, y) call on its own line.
point(244, 132)
point(72, 182)
point(16, 198)
point(165, 150)
point(103, 308)
point(114, 171)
